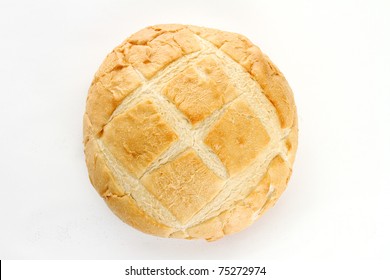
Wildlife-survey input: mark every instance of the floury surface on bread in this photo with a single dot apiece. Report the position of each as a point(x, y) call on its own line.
point(189, 132)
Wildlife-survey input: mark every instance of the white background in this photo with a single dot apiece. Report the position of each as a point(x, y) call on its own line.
point(336, 57)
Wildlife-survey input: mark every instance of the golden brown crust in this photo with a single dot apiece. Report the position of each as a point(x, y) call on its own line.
point(246, 211)
point(157, 49)
point(138, 136)
point(147, 51)
point(100, 175)
point(238, 217)
point(182, 182)
point(271, 80)
point(125, 207)
point(239, 128)
point(200, 90)
point(183, 200)
point(292, 141)
point(279, 174)
point(107, 186)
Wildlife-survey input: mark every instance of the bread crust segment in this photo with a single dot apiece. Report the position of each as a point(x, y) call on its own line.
point(138, 136)
point(200, 90)
point(183, 199)
point(249, 56)
point(189, 132)
point(238, 128)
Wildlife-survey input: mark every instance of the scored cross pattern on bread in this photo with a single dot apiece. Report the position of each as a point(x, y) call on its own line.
point(189, 132)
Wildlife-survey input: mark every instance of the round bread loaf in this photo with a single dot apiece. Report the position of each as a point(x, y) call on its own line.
point(189, 132)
